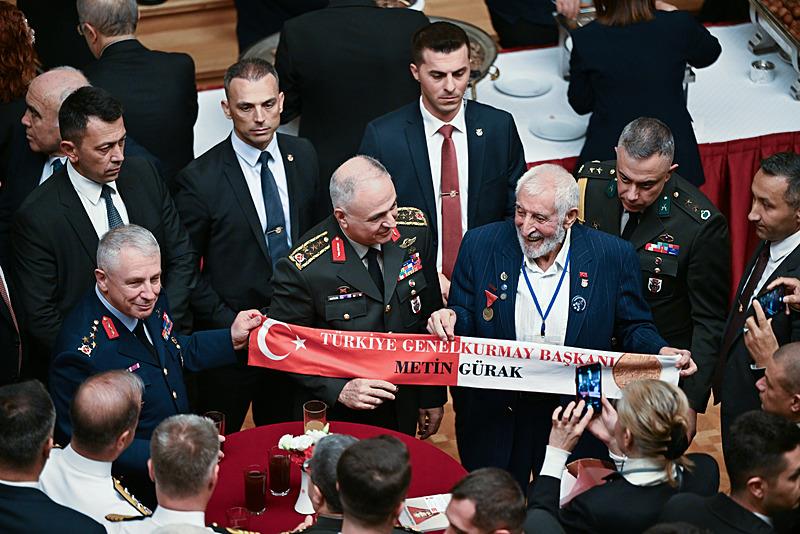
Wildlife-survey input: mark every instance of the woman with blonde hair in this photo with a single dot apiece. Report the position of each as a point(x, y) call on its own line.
point(646, 436)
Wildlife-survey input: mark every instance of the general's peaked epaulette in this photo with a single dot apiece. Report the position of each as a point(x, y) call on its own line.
point(411, 217)
point(303, 255)
point(89, 341)
point(117, 518)
point(598, 169)
point(130, 499)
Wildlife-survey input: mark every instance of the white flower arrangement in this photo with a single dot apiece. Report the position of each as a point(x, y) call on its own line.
point(302, 442)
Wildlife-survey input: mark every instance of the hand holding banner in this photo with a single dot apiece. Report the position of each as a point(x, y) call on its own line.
point(427, 360)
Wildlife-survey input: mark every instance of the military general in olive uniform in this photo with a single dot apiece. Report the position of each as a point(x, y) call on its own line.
point(680, 237)
point(368, 267)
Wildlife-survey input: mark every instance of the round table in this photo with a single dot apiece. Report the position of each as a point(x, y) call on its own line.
point(432, 472)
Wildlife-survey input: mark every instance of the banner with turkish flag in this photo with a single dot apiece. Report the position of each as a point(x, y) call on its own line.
point(465, 361)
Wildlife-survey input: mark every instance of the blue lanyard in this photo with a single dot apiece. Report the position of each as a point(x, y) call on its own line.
point(552, 300)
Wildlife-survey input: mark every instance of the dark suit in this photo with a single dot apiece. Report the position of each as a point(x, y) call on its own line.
point(341, 67)
point(86, 347)
point(55, 248)
point(496, 161)
point(735, 381)
point(158, 92)
point(10, 334)
point(217, 209)
point(509, 429)
point(620, 73)
point(719, 514)
point(688, 289)
point(29, 510)
point(619, 506)
point(257, 19)
point(307, 288)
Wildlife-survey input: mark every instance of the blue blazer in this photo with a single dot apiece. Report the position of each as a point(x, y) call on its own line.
point(164, 392)
point(615, 310)
point(496, 161)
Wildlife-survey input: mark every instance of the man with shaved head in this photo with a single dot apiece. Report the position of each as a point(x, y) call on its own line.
point(104, 414)
point(370, 266)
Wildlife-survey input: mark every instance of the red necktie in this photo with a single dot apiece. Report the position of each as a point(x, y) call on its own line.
point(451, 202)
point(7, 301)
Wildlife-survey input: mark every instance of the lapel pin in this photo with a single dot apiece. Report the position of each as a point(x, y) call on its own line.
point(578, 303)
point(289, 157)
point(584, 276)
point(479, 132)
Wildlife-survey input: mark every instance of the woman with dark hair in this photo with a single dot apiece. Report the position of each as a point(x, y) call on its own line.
point(630, 63)
point(646, 436)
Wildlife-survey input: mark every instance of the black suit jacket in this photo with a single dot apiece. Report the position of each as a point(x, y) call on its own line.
point(158, 92)
point(57, 41)
point(55, 245)
point(620, 73)
point(496, 161)
point(735, 381)
point(214, 203)
point(30, 510)
point(340, 84)
point(619, 506)
point(719, 514)
point(10, 337)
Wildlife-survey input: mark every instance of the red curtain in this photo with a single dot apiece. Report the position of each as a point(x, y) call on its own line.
point(729, 168)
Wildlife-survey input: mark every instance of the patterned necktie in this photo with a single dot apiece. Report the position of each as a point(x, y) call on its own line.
point(374, 268)
point(451, 202)
point(277, 240)
point(114, 218)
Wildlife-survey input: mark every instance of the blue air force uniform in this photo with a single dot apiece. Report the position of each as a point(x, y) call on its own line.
point(94, 338)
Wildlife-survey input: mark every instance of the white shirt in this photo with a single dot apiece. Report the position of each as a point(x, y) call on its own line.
point(248, 157)
point(95, 206)
point(527, 319)
point(84, 485)
point(778, 251)
point(28, 484)
point(163, 517)
point(434, 141)
point(47, 168)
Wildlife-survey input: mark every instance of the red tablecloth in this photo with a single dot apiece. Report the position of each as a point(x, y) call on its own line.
point(729, 168)
point(432, 471)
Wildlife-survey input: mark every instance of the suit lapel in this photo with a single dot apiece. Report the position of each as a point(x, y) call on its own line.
point(154, 325)
point(76, 214)
point(650, 226)
point(580, 261)
point(233, 173)
point(418, 148)
point(475, 149)
point(291, 184)
point(508, 262)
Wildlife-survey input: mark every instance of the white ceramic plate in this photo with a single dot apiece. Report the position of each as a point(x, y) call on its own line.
point(523, 87)
point(555, 127)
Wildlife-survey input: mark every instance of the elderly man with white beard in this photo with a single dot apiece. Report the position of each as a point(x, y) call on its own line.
point(540, 278)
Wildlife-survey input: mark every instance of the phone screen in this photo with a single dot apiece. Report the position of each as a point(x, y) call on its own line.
point(771, 301)
point(588, 385)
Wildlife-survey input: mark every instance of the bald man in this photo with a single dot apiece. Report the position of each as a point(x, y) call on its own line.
point(104, 414)
point(370, 266)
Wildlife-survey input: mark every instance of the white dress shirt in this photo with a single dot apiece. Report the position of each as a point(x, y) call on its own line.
point(163, 517)
point(27, 484)
point(89, 193)
point(778, 251)
point(248, 157)
point(84, 485)
point(434, 141)
point(527, 319)
point(47, 168)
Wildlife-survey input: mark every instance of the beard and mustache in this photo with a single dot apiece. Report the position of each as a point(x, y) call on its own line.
point(535, 245)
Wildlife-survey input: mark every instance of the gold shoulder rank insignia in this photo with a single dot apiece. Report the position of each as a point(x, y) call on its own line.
point(411, 217)
point(133, 501)
point(89, 341)
point(596, 169)
point(116, 518)
point(303, 255)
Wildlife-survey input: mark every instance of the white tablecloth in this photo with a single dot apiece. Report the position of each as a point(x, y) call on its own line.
point(724, 103)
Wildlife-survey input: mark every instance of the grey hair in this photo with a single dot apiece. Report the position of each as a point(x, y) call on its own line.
point(323, 467)
point(344, 183)
point(126, 236)
point(645, 137)
point(109, 17)
point(184, 450)
point(57, 97)
point(534, 182)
